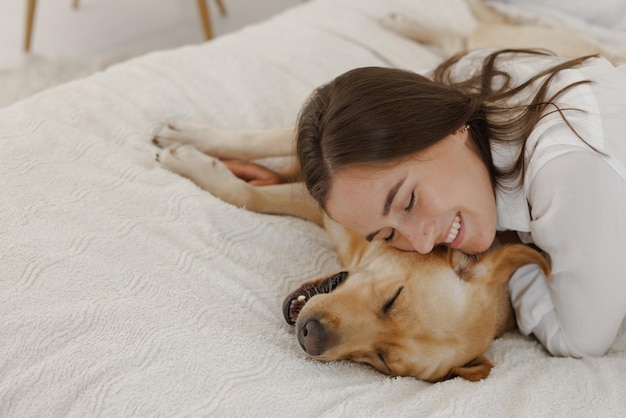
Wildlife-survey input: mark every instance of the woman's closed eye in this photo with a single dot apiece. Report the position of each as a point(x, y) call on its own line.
point(411, 203)
point(389, 238)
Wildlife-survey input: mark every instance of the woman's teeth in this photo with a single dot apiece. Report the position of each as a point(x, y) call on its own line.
point(454, 231)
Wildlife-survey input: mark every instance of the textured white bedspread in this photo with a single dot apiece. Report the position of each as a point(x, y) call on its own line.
point(125, 290)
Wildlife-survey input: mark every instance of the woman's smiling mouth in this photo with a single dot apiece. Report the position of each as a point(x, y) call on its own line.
point(454, 230)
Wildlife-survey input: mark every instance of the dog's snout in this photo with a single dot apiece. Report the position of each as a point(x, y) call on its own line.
point(312, 337)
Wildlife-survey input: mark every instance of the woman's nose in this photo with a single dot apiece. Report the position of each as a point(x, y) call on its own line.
point(422, 237)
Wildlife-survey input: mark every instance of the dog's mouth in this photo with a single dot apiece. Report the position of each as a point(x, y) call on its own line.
point(293, 304)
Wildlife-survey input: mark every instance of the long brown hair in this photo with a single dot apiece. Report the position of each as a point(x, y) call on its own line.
point(376, 116)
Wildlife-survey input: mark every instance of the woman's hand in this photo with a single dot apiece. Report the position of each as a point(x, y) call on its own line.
point(252, 173)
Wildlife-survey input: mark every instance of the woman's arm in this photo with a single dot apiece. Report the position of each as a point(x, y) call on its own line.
point(259, 175)
point(579, 219)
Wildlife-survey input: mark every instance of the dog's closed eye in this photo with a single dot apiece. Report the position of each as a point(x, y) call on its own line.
point(389, 304)
point(381, 357)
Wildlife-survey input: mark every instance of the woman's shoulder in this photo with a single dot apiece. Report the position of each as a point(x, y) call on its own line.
point(594, 108)
point(522, 65)
point(517, 63)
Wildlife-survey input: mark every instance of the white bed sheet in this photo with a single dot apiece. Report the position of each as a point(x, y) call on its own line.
point(125, 290)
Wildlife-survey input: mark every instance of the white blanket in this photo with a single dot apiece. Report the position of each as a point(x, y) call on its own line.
point(125, 290)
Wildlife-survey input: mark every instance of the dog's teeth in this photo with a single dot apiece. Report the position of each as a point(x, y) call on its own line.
point(302, 298)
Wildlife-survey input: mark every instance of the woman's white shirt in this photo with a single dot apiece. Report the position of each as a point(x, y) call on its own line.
point(573, 206)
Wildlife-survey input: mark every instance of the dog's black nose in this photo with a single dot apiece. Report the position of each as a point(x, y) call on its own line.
point(312, 337)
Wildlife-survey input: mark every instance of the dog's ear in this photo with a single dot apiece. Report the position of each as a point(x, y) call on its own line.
point(462, 264)
point(496, 266)
point(349, 245)
point(475, 370)
point(506, 260)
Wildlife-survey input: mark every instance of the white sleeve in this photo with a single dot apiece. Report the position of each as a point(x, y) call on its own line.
point(578, 205)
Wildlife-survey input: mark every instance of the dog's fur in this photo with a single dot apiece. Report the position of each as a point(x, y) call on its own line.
point(428, 316)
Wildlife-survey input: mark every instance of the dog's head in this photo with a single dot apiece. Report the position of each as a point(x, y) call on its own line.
point(429, 316)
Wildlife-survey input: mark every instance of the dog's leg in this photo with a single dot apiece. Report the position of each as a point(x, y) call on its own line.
point(449, 41)
point(241, 145)
point(496, 30)
point(212, 175)
point(562, 41)
point(485, 14)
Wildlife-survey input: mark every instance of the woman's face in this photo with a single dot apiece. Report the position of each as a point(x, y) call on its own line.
point(441, 196)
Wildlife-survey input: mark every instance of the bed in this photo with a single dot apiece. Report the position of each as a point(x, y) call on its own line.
point(125, 290)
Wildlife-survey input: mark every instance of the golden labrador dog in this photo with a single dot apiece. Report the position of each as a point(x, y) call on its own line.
point(406, 314)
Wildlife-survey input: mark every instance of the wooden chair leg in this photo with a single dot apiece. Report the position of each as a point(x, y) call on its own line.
point(205, 18)
point(30, 17)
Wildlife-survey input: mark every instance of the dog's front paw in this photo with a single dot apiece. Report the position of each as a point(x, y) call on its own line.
point(200, 136)
point(185, 160)
point(206, 171)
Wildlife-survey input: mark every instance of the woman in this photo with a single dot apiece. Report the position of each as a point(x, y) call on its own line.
point(491, 142)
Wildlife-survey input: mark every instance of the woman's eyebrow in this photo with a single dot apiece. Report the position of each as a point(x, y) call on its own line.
point(390, 196)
